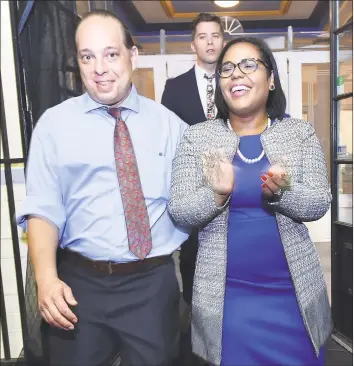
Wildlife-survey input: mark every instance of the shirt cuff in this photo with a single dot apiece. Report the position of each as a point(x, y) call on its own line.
point(45, 208)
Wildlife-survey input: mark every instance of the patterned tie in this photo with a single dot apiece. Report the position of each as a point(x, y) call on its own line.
point(135, 211)
point(210, 97)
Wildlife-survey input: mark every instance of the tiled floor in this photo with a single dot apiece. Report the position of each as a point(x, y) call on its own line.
point(336, 355)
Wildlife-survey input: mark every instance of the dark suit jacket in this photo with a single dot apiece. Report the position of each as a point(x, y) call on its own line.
point(181, 96)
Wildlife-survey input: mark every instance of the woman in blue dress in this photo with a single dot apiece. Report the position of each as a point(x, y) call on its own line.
point(248, 180)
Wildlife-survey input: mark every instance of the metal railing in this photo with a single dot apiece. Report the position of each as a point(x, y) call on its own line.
point(7, 163)
point(27, 314)
point(278, 41)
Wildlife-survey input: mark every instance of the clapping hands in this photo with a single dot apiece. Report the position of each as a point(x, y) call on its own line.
point(274, 181)
point(219, 173)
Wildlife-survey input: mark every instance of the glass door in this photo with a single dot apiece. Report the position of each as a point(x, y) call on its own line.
point(150, 76)
point(309, 99)
point(342, 172)
point(309, 89)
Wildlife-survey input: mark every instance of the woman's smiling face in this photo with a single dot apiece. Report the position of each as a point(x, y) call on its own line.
point(245, 94)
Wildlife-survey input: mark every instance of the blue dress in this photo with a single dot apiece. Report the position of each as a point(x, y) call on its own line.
point(262, 323)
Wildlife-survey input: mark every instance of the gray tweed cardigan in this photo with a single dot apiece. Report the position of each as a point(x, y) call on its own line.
point(293, 143)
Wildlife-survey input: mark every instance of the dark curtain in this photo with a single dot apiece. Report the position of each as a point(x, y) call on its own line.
point(47, 46)
point(51, 75)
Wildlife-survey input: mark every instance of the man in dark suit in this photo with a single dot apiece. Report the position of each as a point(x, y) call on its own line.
point(191, 97)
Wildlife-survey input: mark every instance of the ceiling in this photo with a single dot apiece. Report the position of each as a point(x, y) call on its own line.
point(175, 16)
point(266, 19)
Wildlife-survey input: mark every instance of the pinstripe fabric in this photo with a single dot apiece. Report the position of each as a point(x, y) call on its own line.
point(292, 143)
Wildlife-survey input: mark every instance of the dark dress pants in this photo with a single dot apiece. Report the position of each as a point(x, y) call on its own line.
point(187, 258)
point(188, 254)
point(136, 315)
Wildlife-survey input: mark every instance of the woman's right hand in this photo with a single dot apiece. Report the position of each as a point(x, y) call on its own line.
point(219, 173)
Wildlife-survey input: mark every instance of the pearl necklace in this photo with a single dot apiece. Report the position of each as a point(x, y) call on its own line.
point(242, 157)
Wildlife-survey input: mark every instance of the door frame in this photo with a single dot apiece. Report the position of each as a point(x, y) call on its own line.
point(296, 60)
point(320, 230)
point(342, 233)
point(162, 66)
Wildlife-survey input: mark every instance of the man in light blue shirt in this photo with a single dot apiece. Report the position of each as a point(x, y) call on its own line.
point(99, 297)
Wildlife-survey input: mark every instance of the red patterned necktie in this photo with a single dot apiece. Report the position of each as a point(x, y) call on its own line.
point(135, 211)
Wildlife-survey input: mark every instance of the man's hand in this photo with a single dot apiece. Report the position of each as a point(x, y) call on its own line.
point(54, 296)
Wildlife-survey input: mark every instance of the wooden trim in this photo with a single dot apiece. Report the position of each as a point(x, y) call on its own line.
point(169, 10)
point(284, 7)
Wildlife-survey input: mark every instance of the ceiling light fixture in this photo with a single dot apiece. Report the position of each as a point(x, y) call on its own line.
point(226, 4)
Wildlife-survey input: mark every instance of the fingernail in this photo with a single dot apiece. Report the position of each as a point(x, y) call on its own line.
point(264, 178)
point(263, 185)
point(71, 327)
point(270, 174)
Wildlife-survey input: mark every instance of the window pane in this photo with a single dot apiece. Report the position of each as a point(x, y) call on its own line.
point(345, 58)
point(316, 100)
point(82, 7)
point(345, 12)
point(345, 129)
point(345, 193)
point(98, 4)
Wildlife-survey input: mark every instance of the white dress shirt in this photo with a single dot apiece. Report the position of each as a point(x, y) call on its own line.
point(202, 83)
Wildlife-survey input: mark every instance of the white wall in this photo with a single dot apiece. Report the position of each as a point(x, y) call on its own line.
point(9, 83)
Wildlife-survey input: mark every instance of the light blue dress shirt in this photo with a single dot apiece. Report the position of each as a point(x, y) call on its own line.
point(72, 179)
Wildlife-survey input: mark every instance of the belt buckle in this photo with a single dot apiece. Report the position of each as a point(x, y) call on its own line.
point(110, 270)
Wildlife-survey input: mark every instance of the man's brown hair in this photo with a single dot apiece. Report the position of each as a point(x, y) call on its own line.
point(206, 17)
point(128, 39)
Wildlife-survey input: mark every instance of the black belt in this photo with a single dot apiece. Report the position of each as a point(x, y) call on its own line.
point(109, 267)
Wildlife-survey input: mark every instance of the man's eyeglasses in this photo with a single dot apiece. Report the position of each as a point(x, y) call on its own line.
point(246, 66)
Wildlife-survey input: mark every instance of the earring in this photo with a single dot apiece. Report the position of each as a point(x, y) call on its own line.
point(272, 87)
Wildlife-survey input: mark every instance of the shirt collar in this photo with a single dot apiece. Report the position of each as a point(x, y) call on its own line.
point(132, 102)
point(199, 72)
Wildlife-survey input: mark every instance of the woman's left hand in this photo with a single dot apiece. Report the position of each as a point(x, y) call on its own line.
point(274, 181)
